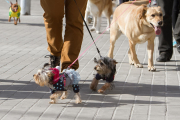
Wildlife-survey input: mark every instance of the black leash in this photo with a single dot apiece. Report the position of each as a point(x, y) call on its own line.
point(88, 29)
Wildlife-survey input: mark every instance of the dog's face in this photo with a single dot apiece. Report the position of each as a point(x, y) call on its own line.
point(14, 7)
point(105, 66)
point(42, 77)
point(154, 16)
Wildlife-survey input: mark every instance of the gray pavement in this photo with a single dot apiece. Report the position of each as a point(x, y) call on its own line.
point(138, 95)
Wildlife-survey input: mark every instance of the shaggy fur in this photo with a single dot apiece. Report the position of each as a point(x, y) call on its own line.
point(106, 69)
point(44, 77)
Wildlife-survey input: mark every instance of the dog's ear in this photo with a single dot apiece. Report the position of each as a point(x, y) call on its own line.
point(141, 11)
point(46, 65)
point(114, 61)
point(11, 3)
point(95, 60)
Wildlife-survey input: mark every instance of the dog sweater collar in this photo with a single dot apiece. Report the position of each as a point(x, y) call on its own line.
point(108, 79)
point(55, 71)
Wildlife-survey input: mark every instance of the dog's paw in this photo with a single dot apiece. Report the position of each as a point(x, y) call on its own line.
point(151, 68)
point(138, 65)
point(98, 32)
point(78, 101)
point(63, 97)
point(52, 102)
point(108, 29)
point(93, 29)
point(131, 62)
point(15, 23)
point(101, 91)
point(93, 88)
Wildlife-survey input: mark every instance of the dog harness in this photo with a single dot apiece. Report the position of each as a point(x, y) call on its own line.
point(14, 14)
point(61, 82)
point(108, 79)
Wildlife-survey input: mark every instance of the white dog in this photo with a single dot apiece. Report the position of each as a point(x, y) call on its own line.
point(96, 8)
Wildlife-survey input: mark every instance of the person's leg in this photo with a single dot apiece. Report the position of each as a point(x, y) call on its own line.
point(175, 12)
point(165, 38)
point(73, 33)
point(53, 16)
point(176, 32)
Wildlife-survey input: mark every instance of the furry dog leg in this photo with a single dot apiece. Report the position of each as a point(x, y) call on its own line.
point(9, 19)
point(54, 97)
point(78, 98)
point(94, 84)
point(104, 87)
point(15, 22)
point(64, 95)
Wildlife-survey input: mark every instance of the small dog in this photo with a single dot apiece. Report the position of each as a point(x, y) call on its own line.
point(96, 8)
point(106, 69)
point(58, 83)
point(140, 24)
point(14, 11)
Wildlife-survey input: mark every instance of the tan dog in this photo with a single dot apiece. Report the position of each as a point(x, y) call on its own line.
point(96, 8)
point(139, 24)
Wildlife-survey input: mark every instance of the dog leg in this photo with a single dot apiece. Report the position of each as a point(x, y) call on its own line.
point(94, 84)
point(108, 12)
point(94, 24)
point(98, 26)
point(150, 48)
point(130, 58)
point(104, 87)
point(54, 97)
point(88, 21)
point(78, 98)
point(114, 35)
point(9, 19)
point(19, 20)
point(64, 95)
point(134, 55)
point(15, 22)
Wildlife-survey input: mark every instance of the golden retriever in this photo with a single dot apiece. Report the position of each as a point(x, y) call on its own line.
point(140, 24)
point(96, 8)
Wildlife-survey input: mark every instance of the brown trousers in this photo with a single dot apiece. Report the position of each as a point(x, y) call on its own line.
point(54, 12)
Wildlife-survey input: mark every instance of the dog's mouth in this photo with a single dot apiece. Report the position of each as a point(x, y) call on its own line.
point(157, 29)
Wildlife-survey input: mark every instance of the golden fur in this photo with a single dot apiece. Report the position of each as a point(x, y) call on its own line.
point(138, 25)
point(96, 8)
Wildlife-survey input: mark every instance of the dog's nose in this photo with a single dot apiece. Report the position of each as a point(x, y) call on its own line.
point(33, 75)
point(95, 68)
point(160, 23)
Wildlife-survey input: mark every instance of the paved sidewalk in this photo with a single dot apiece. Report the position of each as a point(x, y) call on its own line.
point(138, 95)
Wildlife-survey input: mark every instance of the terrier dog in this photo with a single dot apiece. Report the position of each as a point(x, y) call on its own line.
point(106, 69)
point(14, 11)
point(58, 83)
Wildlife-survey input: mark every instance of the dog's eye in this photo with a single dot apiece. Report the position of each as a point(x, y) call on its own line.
point(153, 15)
point(101, 64)
point(160, 15)
point(39, 74)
